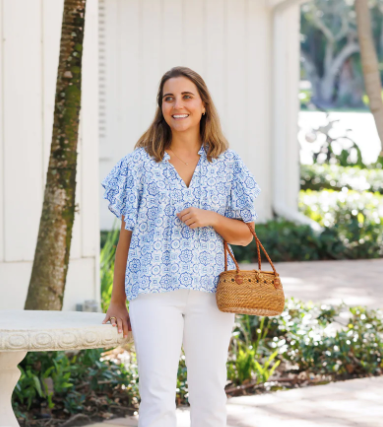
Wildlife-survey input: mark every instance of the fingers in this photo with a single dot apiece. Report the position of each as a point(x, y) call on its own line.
point(186, 216)
point(188, 219)
point(129, 324)
point(125, 327)
point(187, 213)
point(119, 323)
point(190, 222)
point(183, 212)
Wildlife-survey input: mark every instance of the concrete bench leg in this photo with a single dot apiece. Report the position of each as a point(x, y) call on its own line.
point(9, 375)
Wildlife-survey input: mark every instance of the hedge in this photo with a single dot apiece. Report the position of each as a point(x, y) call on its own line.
point(320, 177)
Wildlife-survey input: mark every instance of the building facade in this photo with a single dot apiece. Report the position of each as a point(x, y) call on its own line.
point(246, 50)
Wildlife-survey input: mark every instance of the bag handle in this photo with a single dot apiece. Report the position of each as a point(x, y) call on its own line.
point(259, 244)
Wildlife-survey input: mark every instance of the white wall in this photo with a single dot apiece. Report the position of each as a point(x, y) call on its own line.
point(285, 107)
point(29, 51)
point(227, 41)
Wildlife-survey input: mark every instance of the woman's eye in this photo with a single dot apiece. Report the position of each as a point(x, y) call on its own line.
point(170, 98)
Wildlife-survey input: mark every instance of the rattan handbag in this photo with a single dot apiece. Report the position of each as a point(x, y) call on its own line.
point(254, 292)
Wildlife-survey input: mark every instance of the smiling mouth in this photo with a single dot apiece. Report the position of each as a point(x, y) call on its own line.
point(180, 116)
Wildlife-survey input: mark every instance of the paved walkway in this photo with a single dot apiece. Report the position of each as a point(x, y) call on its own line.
point(356, 282)
point(342, 404)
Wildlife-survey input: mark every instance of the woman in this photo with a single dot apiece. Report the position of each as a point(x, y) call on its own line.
point(179, 194)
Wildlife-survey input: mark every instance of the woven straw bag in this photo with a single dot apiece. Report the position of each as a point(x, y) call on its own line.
point(254, 292)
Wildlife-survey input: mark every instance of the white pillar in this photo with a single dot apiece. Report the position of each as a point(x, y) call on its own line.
point(285, 108)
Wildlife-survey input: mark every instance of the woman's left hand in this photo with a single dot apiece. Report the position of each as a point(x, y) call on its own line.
point(195, 217)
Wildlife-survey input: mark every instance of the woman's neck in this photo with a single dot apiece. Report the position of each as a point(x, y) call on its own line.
point(185, 142)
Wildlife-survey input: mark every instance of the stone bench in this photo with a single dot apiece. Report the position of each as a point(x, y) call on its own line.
point(36, 330)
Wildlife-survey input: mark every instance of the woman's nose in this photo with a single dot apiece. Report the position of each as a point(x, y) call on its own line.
point(178, 103)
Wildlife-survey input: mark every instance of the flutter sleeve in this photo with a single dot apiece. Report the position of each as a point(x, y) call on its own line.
point(244, 191)
point(122, 191)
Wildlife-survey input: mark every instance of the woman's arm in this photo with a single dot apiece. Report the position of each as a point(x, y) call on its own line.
point(234, 231)
point(117, 307)
point(121, 258)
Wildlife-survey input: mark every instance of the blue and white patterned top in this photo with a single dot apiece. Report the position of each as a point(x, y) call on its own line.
point(165, 254)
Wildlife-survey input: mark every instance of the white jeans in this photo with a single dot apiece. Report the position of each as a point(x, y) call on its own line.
point(161, 323)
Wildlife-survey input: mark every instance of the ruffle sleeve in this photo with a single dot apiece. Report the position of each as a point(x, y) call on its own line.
point(122, 191)
point(244, 191)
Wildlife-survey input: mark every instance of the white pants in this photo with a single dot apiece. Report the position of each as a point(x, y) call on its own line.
point(161, 323)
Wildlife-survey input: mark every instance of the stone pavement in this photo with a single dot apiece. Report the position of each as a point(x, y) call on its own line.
point(351, 403)
point(356, 282)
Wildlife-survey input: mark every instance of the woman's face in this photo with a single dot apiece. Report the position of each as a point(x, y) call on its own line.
point(182, 106)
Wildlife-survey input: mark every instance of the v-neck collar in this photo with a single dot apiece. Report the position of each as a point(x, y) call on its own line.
point(201, 152)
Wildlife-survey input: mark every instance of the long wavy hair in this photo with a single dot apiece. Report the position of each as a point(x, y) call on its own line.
point(158, 136)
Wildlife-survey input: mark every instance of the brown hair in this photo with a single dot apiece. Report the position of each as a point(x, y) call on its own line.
point(158, 136)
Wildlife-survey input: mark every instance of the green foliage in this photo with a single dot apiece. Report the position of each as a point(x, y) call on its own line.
point(266, 371)
point(313, 339)
point(316, 339)
point(283, 241)
point(326, 27)
point(353, 228)
point(247, 360)
point(182, 383)
point(109, 242)
point(320, 177)
point(243, 367)
point(287, 241)
point(356, 217)
point(69, 378)
point(329, 207)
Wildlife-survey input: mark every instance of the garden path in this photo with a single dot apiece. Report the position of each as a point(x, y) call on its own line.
point(353, 403)
point(355, 282)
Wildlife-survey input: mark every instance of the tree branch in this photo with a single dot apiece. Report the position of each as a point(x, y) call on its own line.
point(348, 50)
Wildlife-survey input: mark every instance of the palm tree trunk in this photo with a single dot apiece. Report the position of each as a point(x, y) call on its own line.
point(50, 264)
point(370, 65)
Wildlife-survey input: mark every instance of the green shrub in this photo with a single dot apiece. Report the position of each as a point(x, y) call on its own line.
point(320, 177)
point(315, 339)
point(283, 241)
point(67, 380)
point(329, 207)
point(248, 361)
point(353, 229)
point(311, 337)
point(287, 241)
point(356, 217)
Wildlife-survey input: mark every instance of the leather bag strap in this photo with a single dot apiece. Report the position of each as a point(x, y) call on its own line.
point(259, 245)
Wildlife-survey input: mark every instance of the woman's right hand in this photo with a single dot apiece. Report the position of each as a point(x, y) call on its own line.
point(120, 312)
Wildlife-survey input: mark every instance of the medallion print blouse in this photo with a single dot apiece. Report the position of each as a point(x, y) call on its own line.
point(165, 254)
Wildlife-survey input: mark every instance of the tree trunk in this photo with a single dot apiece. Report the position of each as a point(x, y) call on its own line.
point(50, 264)
point(312, 74)
point(332, 68)
point(370, 65)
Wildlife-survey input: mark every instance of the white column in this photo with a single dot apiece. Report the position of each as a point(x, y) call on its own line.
point(285, 107)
